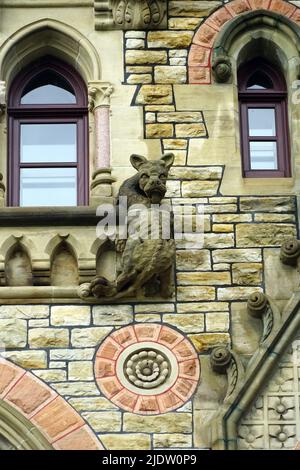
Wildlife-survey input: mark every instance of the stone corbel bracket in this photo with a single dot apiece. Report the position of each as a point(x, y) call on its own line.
point(130, 14)
point(290, 252)
point(221, 67)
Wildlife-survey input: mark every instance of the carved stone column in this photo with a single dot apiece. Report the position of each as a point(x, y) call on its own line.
point(99, 105)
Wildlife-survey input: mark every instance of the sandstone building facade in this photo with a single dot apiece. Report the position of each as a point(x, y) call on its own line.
point(212, 360)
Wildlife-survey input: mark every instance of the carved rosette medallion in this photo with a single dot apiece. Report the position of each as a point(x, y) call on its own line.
point(147, 368)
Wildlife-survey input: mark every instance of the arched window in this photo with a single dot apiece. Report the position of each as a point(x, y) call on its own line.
point(264, 122)
point(48, 136)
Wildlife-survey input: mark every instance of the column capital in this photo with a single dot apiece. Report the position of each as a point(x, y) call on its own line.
point(99, 94)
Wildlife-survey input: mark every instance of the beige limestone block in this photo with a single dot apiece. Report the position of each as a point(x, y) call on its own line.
point(190, 130)
point(205, 307)
point(133, 43)
point(167, 441)
point(170, 74)
point(193, 259)
point(138, 69)
point(184, 23)
point(88, 336)
point(223, 228)
point(170, 39)
point(217, 321)
point(64, 315)
point(126, 441)
point(199, 188)
point(48, 337)
point(203, 279)
point(169, 422)
point(267, 204)
point(155, 94)
point(51, 375)
point(137, 78)
point(80, 370)
point(237, 255)
point(192, 8)
point(190, 173)
point(25, 312)
point(145, 57)
point(76, 389)
point(218, 240)
point(174, 144)
point(92, 404)
point(204, 342)
point(188, 293)
point(13, 333)
point(231, 218)
point(266, 217)
point(103, 421)
point(154, 308)
point(236, 293)
point(263, 234)
point(219, 208)
point(112, 315)
point(72, 354)
point(188, 323)
point(180, 116)
point(247, 273)
point(27, 359)
point(147, 318)
point(159, 130)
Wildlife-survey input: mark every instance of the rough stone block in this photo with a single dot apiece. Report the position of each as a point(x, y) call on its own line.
point(189, 293)
point(104, 421)
point(247, 273)
point(145, 57)
point(199, 188)
point(190, 130)
point(158, 131)
point(155, 95)
point(48, 337)
point(87, 337)
point(170, 39)
point(112, 315)
point(126, 441)
point(170, 422)
point(13, 333)
point(170, 74)
point(263, 234)
point(70, 315)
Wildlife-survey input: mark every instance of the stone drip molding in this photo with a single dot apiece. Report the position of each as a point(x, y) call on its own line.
point(147, 369)
point(247, 378)
point(130, 14)
point(30, 415)
point(209, 50)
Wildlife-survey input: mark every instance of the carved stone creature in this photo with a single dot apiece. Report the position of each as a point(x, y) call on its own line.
point(146, 262)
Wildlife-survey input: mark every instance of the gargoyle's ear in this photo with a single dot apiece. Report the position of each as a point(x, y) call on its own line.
point(137, 160)
point(168, 159)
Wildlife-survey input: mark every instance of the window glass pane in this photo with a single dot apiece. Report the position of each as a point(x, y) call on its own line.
point(262, 122)
point(41, 143)
point(259, 81)
point(48, 88)
point(48, 187)
point(263, 156)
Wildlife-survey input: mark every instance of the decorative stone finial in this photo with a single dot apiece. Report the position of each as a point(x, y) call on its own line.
point(220, 359)
point(222, 69)
point(290, 251)
point(257, 304)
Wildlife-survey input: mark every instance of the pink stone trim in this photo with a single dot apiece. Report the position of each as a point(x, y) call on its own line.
point(199, 59)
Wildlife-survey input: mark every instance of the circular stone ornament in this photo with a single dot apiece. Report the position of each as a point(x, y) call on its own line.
point(147, 368)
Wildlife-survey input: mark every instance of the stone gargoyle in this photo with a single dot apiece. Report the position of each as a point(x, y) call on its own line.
point(146, 262)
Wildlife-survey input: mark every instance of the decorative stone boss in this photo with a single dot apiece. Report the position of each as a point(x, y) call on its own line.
point(148, 252)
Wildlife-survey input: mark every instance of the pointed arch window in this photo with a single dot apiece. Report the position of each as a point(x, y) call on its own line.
point(264, 123)
point(48, 136)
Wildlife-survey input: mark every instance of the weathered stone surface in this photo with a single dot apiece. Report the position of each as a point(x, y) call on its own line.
point(180, 116)
point(218, 240)
point(188, 323)
point(170, 422)
point(135, 43)
point(51, 375)
point(190, 130)
point(173, 189)
point(27, 359)
point(57, 364)
point(72, 354)
point(25, 312)
point(239, 255)
point(147, 318)
point(70, 315)
point(223, 228)
point(195, 293)
point(135, 34)
point(88, 336)
point(137, 78)
point(184, 23)
point(174, 144)
point(235, 293)
point(38, 323)
point(217, 321)
point(145, 57)
point(193, 259)
point(217, 208)
point(263, 234)
point(280, 280)
point(231, 218)
point(247, 273)
point(203, 279)
point(202, 173)
point(155, 94)
point(170, 74)
point(76, 389)
point(126, 441)
point(92, 404)
point(189, 307)
point(283, 218)
point(80, 370)
point(154, 308)
point(206, 341)
point(221, 267)
point(167, 441)
point(48, 337)
point(178, 61)
point(199, 188)
point(267, 204)
point(212, 388)
point(112, 314)
point(246, 330)
point(156, 131)
point(103, 421)
point(166, 108)
point(13, 333)
point(178, 53)
point(170, 39)
point(192, 8)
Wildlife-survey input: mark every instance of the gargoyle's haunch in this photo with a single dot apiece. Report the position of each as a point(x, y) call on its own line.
point(146, 261)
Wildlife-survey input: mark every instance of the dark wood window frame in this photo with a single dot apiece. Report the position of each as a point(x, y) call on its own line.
point(275, 98)
point(19, 114)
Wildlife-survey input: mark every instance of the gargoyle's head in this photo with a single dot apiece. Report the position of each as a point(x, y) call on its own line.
point(153, 175)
